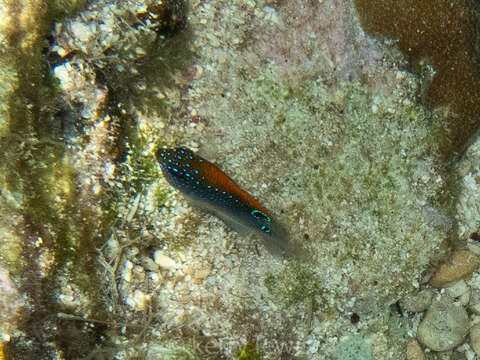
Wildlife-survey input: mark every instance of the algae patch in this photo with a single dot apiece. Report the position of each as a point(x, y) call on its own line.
point(250, 352)
point(295, 283)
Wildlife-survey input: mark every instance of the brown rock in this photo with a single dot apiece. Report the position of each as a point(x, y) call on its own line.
point(475, 338)
point(444, 326)
point(414, 351)
point(461, 265)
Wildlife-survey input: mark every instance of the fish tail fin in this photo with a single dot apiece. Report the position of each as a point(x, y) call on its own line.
point(279, 243)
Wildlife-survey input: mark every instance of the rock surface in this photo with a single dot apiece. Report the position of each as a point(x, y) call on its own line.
point(445, 325)
point(417, 302)
point(475, 338)
point(414, 351)
point(10, 303)
point(245, 113)
point(457, 289)
point(461, 265)
point(164, 261)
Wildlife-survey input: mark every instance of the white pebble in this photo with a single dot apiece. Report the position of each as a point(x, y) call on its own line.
point(164, 261)
point(139, 300)
point(457, 289)
point(81, 31)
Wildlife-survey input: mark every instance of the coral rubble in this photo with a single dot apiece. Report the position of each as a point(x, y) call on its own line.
point(319, 121)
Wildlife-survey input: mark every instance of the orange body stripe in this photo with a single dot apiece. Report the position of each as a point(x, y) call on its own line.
point(218, 178)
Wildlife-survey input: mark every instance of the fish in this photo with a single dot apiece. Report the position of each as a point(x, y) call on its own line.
point(208, 187)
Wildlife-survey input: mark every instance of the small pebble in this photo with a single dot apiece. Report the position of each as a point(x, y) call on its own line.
point(475, 308)
point(464, 168)
point(417, 302)
point(139, 273)
point(462, 264)
point(81, 31)
point(163, 260)
point(457, 289)
point(201, 274)
point(465, 298)
point(149, 264)
point(474, 304)
point(139, 300)
point(475, 338)
point(414, 351)
point(474, 247)
point(444, 326)
point(127, 271)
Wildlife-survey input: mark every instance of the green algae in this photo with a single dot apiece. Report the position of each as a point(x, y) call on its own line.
point(61, 9)
point(296, 283)
point(250, 352)
point(41, 178)
point(51, 211)
point(34, 164)
point(154, 80)
point(10, 250)
point(144, 166)
point(162, 196)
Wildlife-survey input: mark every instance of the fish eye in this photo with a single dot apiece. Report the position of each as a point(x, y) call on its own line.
point(257, 214)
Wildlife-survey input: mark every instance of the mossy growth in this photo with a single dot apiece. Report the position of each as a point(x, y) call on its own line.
point(63, 8)
point(153, 80)
point(34, 161)
point(10, 251)
point(37, 172)
point(162, 196)
point(139, 168)
point(165, 17)
point(250, 352)
point(154, 65)
point(295, 284)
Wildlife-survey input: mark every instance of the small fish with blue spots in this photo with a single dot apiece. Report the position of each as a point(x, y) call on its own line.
point(208, 187)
